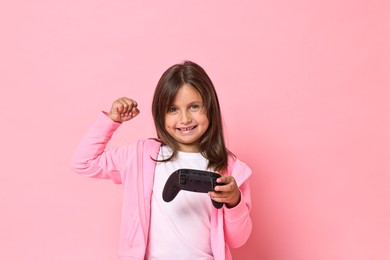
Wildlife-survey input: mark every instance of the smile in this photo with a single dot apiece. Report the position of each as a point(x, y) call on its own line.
point(186, 128)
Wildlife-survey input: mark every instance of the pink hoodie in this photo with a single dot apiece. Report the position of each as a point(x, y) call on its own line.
point(133, 167)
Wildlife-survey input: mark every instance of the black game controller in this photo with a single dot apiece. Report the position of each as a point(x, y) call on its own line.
point(191, 180)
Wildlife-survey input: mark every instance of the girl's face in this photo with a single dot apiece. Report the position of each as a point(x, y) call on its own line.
point(186, 119)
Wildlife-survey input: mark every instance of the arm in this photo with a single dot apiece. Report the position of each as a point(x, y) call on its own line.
point(91, 157)
point(235, 193)
point(237, 221)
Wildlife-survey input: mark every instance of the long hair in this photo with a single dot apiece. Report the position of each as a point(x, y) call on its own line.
point(212, 143)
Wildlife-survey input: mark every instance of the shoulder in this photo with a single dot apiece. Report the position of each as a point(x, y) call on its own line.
point(150, 143)
point(149, 146)
point(141, 146)
point(238, 169)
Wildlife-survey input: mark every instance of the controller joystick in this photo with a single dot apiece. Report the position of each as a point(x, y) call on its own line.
point(191, 180)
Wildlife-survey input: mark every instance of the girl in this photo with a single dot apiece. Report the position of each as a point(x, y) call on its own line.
point(188, 123)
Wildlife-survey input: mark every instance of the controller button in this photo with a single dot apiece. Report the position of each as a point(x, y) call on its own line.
point(182, 179)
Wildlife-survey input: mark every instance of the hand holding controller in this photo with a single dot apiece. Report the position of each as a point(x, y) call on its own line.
point(191, 180)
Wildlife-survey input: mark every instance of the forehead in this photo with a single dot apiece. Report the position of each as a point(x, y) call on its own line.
point(187, 94)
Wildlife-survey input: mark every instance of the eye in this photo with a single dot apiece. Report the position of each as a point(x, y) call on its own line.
point(194, 107)
point(172, 110)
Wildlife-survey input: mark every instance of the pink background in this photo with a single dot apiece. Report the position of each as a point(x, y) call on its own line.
point(304, 88)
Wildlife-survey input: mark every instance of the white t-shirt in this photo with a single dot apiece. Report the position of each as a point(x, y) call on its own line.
point(179, 229)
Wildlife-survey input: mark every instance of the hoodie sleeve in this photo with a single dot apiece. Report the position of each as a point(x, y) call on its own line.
point(237, 221)
point(91, 157)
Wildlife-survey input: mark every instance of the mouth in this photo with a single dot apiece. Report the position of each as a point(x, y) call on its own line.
point(186, 129)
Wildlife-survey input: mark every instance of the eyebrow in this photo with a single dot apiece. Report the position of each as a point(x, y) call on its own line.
point(191, 103)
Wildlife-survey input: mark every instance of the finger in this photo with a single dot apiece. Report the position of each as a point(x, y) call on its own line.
point(217, 196)
point(135, 104)
point(130, 114)
point(129, 101)
point(221, 197)
point(117, 108)
point(125, 107)
point(131, 106)
point(134, 112)
point(228, 184)
point(225, 179)
point(226, 197)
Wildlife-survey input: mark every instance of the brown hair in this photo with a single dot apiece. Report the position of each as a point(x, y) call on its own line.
point(212, 143)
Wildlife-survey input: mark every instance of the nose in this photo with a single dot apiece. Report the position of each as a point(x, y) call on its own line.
point(186, 118)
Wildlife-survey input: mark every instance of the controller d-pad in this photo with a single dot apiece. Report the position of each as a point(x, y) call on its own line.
point(182, 179)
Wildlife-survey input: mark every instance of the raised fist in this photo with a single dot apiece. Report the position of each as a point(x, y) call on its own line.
point(123, 109)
